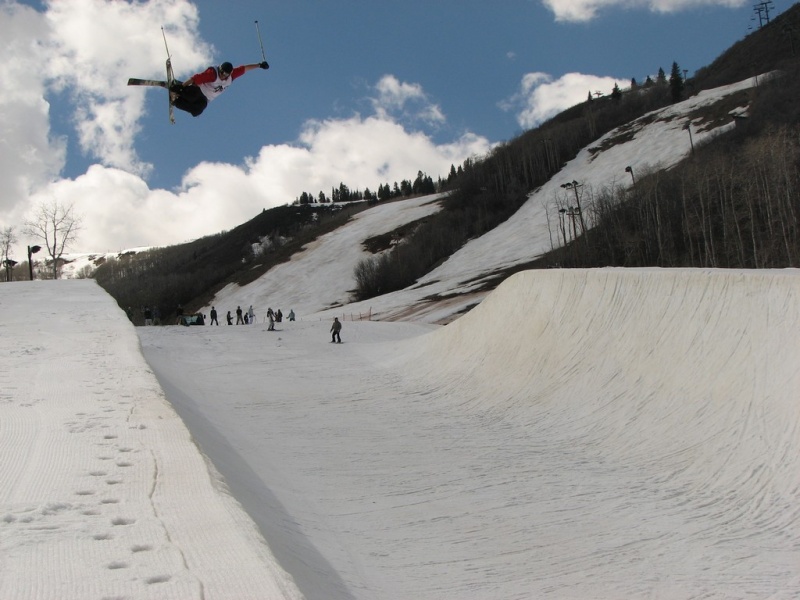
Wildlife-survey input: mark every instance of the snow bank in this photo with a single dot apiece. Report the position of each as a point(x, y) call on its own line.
point(662, 411)
point(103, 493)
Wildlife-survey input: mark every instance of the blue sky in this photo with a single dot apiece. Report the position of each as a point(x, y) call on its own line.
point(358, 92)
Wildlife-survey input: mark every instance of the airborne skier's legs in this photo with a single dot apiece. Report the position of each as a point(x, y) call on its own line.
point(189, 98)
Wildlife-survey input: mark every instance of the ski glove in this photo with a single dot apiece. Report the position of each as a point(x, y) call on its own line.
point(264, 65)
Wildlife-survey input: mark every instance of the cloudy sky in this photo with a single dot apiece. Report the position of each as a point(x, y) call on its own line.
point(360, 93)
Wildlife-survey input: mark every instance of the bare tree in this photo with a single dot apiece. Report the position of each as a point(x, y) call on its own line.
point(7, 239)
point(57, 226)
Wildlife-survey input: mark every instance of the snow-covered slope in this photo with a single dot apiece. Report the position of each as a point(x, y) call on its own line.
point(659, 140)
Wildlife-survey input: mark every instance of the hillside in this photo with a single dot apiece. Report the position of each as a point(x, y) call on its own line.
point(603, 146)
point(321, 276)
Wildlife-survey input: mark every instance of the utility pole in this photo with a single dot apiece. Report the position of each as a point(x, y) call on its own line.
point(561, 216)
point(574, 185)
point(762, 10)
point(32, 250)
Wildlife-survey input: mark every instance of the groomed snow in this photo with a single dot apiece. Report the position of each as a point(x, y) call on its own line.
point(104, 492)
point(581, 434)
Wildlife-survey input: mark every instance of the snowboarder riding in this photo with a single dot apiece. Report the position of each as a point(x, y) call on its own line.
point(194, 94)
point(336, 327)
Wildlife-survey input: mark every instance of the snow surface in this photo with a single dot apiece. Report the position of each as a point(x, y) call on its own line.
point(600, 433)
point(581, 434)
point(104, 492)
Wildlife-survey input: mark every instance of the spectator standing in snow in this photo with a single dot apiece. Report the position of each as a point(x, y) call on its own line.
point(271, 318)
point(291, 314)
point(239, 315)
point(251, 315)
point(335, 329)
point(229, 318)
point(148, 316)
point(178, 314)
point(214, 316)
point(279, 316)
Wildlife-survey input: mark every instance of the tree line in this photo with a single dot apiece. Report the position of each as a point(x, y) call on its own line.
point(423, 184)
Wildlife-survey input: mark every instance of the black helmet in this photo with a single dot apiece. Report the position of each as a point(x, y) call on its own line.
point(226, 68)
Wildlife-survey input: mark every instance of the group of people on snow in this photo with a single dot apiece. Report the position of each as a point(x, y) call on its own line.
point(248, 317)
point(243, 317)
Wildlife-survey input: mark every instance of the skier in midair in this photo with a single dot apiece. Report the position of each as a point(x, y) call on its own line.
point(194, 94)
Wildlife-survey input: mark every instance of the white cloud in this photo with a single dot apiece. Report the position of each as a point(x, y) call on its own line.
point(586, 10)
point(398, 99)
point(119, 211)
point(541, 97)
point(29, 153)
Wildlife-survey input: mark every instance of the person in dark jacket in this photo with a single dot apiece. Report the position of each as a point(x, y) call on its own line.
point(335, 329)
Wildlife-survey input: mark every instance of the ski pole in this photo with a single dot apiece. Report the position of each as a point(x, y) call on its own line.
point(258, 32)
point(164, 35)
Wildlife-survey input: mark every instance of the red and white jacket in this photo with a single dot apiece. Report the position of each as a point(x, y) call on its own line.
point(211, 84)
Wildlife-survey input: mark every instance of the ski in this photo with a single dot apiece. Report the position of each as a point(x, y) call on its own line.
point(170, 81)
point(151, 82)
point(164, 84)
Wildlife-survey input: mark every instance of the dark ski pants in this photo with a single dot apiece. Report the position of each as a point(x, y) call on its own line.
point(335, 337)
point(192, 100)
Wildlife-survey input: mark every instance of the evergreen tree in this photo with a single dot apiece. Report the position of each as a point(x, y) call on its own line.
point(676, 83)
point(344, 193)
point(661, 78)
point(616, 94)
